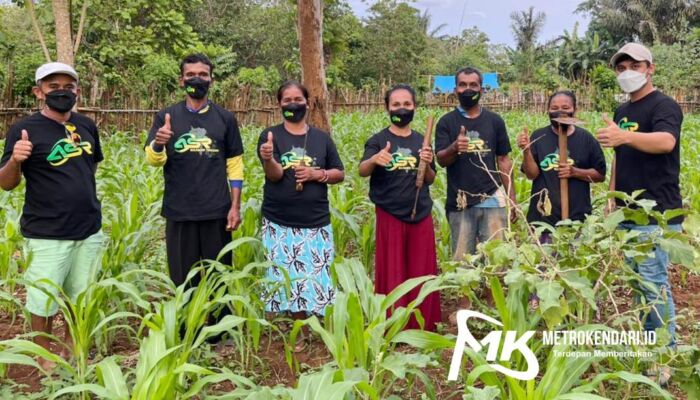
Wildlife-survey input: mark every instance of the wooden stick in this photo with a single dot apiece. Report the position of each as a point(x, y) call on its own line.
point(563, 182)
point(300, 185)
point(422, 165)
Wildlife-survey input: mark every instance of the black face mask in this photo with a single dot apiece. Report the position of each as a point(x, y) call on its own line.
point(469, 98)
point(401, 117)
point(197, 87)
point(559, 114)
point(294, 112)
point(61, 100)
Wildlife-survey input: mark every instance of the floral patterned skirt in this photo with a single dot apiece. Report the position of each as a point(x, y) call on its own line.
point(306, 255)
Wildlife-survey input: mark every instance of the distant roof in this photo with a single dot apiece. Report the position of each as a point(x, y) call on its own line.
point(446, 83)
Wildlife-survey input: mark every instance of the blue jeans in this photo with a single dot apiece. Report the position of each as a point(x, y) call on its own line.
point(474, 223)
point(654, 270)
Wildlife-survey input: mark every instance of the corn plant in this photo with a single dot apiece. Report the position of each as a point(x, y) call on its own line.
point(359, 334)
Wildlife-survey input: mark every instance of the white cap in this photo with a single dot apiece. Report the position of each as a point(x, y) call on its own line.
point(54, 68)
point(635, 50)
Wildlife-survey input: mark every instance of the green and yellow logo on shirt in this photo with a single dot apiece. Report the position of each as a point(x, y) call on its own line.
point(551, 161)
point(294, 157)
point(402, 159)
point(476, 144)
point(626, 125)
point(197, 141)
point(65, 149)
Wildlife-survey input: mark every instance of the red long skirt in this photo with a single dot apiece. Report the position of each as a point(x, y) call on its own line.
point(406, 251)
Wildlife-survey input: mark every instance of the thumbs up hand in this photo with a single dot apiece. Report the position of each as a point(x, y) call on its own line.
point(462, 141)
point(267, 148)
point(22, 149)
point(611, 135)
point(165, 132)
point(384, 157)
point(524, 139)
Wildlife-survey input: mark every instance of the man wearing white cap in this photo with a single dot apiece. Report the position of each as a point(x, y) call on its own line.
point(645, 133)
point(57, 152)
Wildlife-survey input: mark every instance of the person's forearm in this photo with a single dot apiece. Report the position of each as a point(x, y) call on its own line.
point(652, 143)
point(587, 175)
point(530, 166)
point(366, 168)
point(429, 175)
point(448, 155)
point(10, 175)
point(236, 198)
point(335, 176)
point(273, 170)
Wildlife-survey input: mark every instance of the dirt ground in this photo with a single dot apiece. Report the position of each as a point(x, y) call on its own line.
point(27, 379)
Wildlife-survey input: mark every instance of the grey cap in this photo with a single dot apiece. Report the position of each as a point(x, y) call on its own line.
point(54, 68)
point(635, 50)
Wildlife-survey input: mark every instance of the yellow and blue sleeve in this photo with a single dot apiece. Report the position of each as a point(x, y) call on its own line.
point(155, 158)
point(234, 171)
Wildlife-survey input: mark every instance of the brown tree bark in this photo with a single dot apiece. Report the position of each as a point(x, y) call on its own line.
point(64, 35)
point(310, 28)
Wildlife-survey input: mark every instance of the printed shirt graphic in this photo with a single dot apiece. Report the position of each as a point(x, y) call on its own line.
point(60, 199)
point(67, 148)
point(393, 188)
point(656, 174)
point(296, 157)
point(196, 141)
point(196, 186)
point(476, 144)
point(550, 162)
point(488, 139)
point(282, 204)
point(584, 152)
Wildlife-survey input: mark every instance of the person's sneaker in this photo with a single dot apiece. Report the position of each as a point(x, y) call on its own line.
point(661, 374)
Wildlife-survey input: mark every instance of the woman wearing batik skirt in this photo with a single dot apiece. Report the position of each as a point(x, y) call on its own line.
point(405, 243)
point(300, 162)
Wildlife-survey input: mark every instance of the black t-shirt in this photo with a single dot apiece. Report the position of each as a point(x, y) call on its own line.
point(282, 204)
point(584, 152)
point(196, 184)
point(487, 139)
point(393, 188)
point(60, 200)
point(657, 174)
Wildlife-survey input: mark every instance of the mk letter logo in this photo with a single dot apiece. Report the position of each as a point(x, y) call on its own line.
point(492, 341)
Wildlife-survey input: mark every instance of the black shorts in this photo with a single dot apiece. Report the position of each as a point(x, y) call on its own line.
point(191, 241)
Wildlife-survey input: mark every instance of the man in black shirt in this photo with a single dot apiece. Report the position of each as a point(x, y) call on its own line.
point(198, 144)
point(645, 133)
point(472, 143)
point(57, 152)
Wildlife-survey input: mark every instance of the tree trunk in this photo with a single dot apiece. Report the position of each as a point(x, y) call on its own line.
point(310, 28)
point(32, 15)
point(64, 36)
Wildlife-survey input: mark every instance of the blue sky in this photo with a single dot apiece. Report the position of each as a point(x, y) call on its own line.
point(493, 16)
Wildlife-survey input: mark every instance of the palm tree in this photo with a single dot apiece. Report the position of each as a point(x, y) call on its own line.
point(424, 21)
point(526, 26)
point(651, 21)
